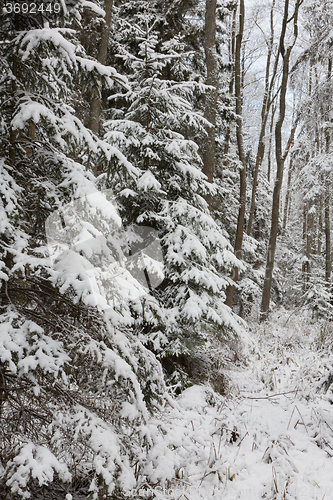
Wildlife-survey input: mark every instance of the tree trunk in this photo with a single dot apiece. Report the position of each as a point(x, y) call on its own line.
point(232, 48)
point(304, 229)
point(269, 162)
point(320, 225)
point(327, 219)
point(308, 253)
point(266, 104)
point(241, 152)
point(13, 133)
point(280, 157)
point(328, 261)
point(287, 199)
point(211, 96)
point(95, 105)
point(327, 214)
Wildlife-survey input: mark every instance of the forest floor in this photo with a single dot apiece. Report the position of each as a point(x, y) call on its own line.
point(272, 436)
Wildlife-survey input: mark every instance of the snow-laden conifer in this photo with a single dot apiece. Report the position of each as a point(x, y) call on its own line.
point(153, 127)
point(76, 388)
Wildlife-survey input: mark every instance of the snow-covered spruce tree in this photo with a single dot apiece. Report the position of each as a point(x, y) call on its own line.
point(152, 130)
point(313, 182)
point(75, 387)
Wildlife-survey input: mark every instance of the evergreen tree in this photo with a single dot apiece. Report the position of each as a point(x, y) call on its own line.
point(152, 129)
point(76, 389)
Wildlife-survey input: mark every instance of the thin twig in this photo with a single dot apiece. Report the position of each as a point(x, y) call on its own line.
point(271, 396)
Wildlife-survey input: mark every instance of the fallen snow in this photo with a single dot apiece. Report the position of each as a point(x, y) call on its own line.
point(272, 436)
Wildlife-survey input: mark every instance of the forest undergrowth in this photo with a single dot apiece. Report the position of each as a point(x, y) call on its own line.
point(272, 436)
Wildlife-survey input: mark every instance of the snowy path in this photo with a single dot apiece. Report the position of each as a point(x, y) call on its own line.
point(273, 437)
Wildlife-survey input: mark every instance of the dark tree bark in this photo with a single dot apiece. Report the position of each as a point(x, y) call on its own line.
point(95, 105)
point(232, 47)
point(309, 239)
point(13, 133)
point(320, 225)
point(269, 161)
point(304, 233)
point(212, 79)
point(240, 146)
point(287, 198)
point(280, 156)
point(327, 211)
point(327, 220)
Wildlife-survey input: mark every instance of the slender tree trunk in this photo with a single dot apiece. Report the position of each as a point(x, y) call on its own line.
point(309, 239)
point(317, 131)
point(95, 105)
point(327, 219)
point(320, 225)
point(327, 211)
point(314, 233)
point(266, 104)
point(13, 133)
point(241, 152)
point(232, 50)
point(232, 47)
point(211, 96)
point(269, 162)
point(280, 157)
point(304, 230)
point(287, 199)
point(328, 261)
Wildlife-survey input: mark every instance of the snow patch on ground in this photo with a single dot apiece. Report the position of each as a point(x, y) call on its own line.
point(272, 437)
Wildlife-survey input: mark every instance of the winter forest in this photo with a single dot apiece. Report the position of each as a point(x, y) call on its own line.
point(166, 299)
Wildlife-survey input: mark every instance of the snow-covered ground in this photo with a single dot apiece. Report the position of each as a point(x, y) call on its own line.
point(272, 437)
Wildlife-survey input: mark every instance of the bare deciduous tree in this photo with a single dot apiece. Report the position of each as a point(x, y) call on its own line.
point(240, 146)
point(285, 52)
point(270, 77)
